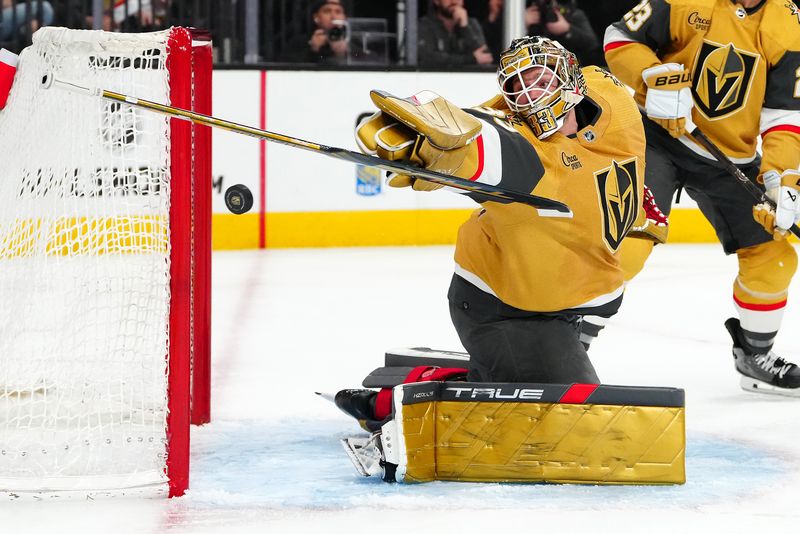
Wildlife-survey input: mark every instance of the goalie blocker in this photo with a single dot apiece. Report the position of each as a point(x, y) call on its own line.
point(501, 432)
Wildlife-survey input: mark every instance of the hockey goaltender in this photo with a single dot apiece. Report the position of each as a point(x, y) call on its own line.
point(525, 403)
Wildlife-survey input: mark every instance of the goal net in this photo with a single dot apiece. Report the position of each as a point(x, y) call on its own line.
point(104, 264)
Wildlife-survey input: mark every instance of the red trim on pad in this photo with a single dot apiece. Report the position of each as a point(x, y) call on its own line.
point(578, 393)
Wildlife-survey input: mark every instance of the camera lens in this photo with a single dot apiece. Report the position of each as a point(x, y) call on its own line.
point(337, 33)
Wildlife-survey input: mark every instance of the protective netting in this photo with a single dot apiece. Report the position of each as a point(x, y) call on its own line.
point(84, 266)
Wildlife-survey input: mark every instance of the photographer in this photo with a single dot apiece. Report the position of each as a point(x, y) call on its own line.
point(449, 36)
point(567, 24)
point(328, 42)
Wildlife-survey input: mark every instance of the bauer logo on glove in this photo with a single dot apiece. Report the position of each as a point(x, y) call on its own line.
point(673, 79)
point(669, 97)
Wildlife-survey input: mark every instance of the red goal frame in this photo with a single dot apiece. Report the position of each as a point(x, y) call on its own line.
point(189, 63)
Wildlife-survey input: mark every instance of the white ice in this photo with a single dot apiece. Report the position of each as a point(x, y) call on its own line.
point(291, 322)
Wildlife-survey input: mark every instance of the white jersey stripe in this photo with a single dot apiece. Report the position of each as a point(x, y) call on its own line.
point(596, 302)
point(613, 35)
point(492, 156)
point(770, 118)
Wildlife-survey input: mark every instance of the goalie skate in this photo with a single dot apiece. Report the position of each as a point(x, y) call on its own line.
point(762, 373)
point(365, 453)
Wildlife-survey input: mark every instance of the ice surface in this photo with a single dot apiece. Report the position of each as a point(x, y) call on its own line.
point(291, 322)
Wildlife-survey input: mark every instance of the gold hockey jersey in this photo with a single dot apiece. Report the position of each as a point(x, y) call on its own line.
point(744, 63)
point(549, 264)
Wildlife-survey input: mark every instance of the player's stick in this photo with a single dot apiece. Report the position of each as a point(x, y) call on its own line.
point(487, 192)
point(748, 184)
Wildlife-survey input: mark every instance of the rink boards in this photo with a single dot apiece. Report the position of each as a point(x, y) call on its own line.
point(308, 200)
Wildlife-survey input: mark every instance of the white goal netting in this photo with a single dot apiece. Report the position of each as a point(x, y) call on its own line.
point(84, 267)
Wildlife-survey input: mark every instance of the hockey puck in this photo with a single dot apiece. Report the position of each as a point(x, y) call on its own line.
point(238, 199)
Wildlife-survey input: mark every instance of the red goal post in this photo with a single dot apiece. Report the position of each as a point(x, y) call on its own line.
point(105, 265)
point(190, 67)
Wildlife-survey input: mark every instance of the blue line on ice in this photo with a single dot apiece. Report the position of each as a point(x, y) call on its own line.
point(299, 464)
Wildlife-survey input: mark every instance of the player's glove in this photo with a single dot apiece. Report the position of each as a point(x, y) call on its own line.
point(784, 190)
point(669, 97)
point(424, 129)
point(650, 223)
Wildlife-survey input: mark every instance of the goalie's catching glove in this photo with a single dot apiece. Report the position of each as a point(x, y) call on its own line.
point(669, 97)
point(650, 223)
point(784, 190)
point(424, 129)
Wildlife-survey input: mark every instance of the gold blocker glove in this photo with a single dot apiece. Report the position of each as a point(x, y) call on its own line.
point(784, 190)
point(669, 97)
point(424, 129)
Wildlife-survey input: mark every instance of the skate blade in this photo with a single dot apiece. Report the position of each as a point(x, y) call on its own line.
point(363, 455)
point(757, 386)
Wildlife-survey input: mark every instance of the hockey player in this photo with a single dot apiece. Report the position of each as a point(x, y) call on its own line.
point(522, 279)
point(732, 69)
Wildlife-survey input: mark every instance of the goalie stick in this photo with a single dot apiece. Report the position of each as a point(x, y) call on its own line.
point(545, 206)
point(734, 171)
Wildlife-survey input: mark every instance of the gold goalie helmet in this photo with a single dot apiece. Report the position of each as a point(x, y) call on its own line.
point(540, 81)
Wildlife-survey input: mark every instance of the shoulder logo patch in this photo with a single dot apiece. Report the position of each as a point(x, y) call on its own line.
point(793, 10)
point(619, 200)
point(722, 78)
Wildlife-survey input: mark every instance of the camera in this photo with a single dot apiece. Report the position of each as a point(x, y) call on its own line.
point(337, 33)
point(548, 9)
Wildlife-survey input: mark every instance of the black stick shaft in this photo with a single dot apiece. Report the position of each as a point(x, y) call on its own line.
point(734, 171)
point(483, 191)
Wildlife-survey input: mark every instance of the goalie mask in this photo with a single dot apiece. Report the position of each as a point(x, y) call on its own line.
point(540, 81)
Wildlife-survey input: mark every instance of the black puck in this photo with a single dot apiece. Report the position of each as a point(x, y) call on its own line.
point(238, 199)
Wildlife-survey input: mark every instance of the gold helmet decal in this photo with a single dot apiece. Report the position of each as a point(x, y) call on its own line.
point(792, 7)
point(722, 79)
point(619, 200)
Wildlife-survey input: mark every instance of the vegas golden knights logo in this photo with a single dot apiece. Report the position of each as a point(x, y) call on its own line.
point(619, 200)
point(722, 77)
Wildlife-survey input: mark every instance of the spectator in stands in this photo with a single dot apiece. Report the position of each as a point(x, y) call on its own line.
point(328, 42)
point(492, 27)
point(562, 21)
point(118, 15)
point(449, 36)
point(14, 18)
point(602, 13)
point(73, 14)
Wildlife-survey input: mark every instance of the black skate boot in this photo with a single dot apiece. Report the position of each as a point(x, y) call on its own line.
point(764, 372)
point(359, 403)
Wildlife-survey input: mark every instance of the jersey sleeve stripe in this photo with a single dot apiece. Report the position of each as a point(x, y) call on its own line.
point(615, 45)
point(779, 120)
point(490, 157)
point(615, 38)
point(783, 128)
point(481, 158)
